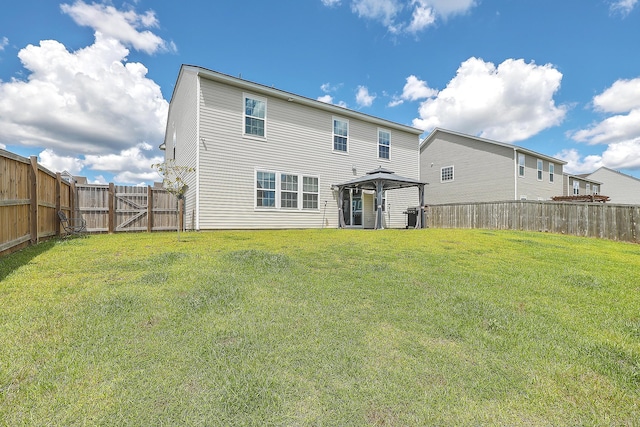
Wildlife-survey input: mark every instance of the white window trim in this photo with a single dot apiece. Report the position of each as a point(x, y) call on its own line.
point(453, 174)
point(588, 188)
point(278, 192)
point(540, 169)
point(524, 165)
point(378, 145)
point(333, 135)
point(576, 186)
point(246, 95)
point(552, 172)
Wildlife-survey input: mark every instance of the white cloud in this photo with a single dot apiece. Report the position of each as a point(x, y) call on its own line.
point(623, 100)
point(4, 42)
point(131, 166)
point(623, 7)
point(623, 155)
point(56, 163)
point(363, 98)
point(328, 99)
point(384, 11)
point(622, 96)
point(416, 89)
point(123, 26)
point(406, 16)
point(88, 101)
point(510, 102)
point(576, 165)
point(423, 16)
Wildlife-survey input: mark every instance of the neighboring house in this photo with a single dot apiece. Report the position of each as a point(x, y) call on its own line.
point(579, 185)
point(266, 158)
point(464, 168)
point(620, 188)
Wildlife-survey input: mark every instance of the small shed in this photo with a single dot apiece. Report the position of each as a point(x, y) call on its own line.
point(380, 180)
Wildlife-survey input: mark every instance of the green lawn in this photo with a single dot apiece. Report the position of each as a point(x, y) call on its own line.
point(321, 328)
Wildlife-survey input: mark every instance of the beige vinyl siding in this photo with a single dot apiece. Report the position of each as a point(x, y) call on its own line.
point(299, 141)
point(482, 172)
point(621, 188)
point(533, 189)
point(182, 119)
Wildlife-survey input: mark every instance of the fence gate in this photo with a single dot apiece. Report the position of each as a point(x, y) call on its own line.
point(128, 207)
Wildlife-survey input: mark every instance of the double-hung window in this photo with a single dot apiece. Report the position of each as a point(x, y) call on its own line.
point(384, 143)
point(552, 168)
point(540, 169)
point(309, 192)
point(520, 164)
point(255, 116)
point(265, 189)
point(576, 188)
point(446, 174)
point(286, 191)
point(588, 189)
point(340, 135)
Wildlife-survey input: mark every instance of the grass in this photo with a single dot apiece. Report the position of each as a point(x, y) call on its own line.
point(321, 327)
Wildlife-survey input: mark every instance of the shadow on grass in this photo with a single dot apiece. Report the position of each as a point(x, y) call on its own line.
point(10, 263)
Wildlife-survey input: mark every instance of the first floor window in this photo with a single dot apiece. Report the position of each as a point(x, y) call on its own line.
point(340, 135)
point(384, 142)
point(279, 190)
point(588, 189)
point(595, 189)
point(446, 174)
point(288, 191)
point(576, 188)
point(520, 164)
point(266, 189)
point(309, 192)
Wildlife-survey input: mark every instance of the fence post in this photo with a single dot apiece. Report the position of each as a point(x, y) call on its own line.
point(112, 211)
point(149, 209)
point(33, 216)
point(58, 197)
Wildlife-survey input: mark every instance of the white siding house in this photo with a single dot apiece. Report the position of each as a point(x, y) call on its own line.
point(465, 168)
point(620, 188)
point(266, 158)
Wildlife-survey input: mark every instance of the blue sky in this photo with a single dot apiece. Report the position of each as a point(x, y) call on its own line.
point(85, 86)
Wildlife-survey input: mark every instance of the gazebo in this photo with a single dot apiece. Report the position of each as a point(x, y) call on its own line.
point(380, 180)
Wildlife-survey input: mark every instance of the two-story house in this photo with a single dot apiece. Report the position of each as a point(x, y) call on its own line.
point(266, 158)
point(580, 185)
point(621, 188)
point(465, 168)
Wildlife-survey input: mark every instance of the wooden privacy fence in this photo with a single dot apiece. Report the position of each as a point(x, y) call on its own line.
point(31, 196)
point(606, 221)
point(115, 208)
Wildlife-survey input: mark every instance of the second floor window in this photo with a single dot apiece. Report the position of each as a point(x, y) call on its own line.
point(384, 141)
point(520, 164)
point(540, 169)
point(255, 115)
point(552, 168)
point(340, 135)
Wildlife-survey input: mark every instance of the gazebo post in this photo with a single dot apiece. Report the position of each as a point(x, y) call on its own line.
point(379, 191)
point(421, 198)
point(341, 223)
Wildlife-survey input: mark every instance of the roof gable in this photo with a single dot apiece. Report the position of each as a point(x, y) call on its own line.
point(291, 97)
point(480, 140)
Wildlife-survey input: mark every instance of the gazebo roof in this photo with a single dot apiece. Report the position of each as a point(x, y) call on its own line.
point(389, 180)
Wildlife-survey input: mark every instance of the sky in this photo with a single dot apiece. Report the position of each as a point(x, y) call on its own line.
point(86, 86)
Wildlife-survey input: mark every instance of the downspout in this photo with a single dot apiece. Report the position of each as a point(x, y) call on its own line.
point(198, 145)
point(515, 174)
